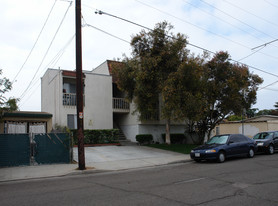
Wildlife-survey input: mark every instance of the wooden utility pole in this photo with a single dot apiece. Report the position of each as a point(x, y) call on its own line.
point(79, 86)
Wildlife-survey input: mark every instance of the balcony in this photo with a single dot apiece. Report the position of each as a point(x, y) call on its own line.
point(120, 105)
point(69, 99)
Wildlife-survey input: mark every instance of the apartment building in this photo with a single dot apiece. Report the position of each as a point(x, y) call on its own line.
point(104, 104)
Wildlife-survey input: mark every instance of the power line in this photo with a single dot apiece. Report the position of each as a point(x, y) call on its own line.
point(221, 36)
point(89, 25)
point(265, 44)
point(275, 90)
point(28, 98)
point(268, 85)
point(265, 20)
point(53, 61)
point(23, 93)
point(180, 19)
point(271, 4)
point(56, 58)
point(251, 54)
point(101, 12)
point(237, 19)
point(35, 42)
point(199, 47)
point(219, 19)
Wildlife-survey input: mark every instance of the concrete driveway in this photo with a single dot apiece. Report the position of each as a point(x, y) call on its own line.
point(97, 159)
point(127, 157)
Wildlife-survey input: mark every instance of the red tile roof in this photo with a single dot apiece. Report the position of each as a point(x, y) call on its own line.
point(112, 64)
point(70, 73)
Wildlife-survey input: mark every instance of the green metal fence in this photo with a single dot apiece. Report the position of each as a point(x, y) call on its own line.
point(52, 148)
point(14, 149)
point(17, 149)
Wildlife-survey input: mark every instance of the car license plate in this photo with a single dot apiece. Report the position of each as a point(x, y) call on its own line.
point(197, 154)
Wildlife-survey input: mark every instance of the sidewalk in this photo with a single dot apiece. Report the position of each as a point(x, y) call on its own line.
point(104, 158)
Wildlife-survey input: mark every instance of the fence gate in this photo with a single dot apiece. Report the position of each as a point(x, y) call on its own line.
point(14, 149)
point(52, 148)
point(20, 149)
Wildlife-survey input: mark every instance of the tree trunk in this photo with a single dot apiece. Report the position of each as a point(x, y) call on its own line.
point(167, 135)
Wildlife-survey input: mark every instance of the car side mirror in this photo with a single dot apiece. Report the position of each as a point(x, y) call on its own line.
point(230, 142)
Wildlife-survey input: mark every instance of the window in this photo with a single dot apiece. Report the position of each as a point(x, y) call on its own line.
point(220, 139)
point(238, 138)
point(37, 128)
point(72, 121)
point(275, 135)
point(241, 138)
point(264, 135)
point(217, 130)
point(16, 127)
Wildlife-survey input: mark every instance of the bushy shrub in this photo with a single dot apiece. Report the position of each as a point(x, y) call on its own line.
point(144, 138)
point(175, 138)
point(102, 136)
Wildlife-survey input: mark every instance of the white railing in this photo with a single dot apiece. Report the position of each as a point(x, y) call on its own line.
point(69, 99)
point(120, 105)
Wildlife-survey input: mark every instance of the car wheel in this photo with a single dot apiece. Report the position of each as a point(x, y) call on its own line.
point(251, 153)
point(270, 149)
point(221, 157)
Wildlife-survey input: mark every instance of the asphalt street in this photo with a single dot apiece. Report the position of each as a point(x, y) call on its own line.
point(240, 181)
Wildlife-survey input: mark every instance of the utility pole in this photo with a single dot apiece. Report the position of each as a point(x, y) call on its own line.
point(79, 86)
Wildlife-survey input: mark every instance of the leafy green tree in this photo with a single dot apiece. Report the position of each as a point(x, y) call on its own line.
point(155, 55)
point(230, 88)
point(184, 93)
point(11, 103)
point(274, 112)
point(234, 118)
point(267, 112)
point(264, 112)
point(251, 112)
point(208, 90)
point(276, 106)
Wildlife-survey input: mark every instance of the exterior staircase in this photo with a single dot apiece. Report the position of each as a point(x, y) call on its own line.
point(123, 140)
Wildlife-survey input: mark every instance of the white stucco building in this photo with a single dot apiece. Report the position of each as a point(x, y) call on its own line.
point(104, 105)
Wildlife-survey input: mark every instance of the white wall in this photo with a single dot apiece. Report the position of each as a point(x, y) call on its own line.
point(102, 69)
point(131, 131)
point(51, 89)
point(98, 111)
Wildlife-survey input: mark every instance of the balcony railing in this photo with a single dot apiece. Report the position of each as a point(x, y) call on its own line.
point(120, 105)
point(69, 99)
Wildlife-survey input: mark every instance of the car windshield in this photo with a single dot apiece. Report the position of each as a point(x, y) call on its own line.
point(221, 139)
point(263, 135)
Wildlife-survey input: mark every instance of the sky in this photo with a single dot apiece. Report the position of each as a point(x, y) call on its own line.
point(39, 34)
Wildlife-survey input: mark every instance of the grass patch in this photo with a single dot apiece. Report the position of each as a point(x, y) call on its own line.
point(180, 148)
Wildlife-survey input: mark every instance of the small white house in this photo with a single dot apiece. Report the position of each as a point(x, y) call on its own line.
point(248, 127)
point(104, 104)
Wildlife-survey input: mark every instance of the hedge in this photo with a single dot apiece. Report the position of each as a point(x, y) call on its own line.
point(144, 138)
point(175, 138)
point(102, 136)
